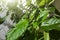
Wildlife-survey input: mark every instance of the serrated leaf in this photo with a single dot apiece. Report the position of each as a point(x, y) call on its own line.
point(19, 29)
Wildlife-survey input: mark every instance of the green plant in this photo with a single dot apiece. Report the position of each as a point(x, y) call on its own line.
point(36, 23)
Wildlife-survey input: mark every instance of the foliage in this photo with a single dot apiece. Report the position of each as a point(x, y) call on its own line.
point(18, 30)
point(35, 23)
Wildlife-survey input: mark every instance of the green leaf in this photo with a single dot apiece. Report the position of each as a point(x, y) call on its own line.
point(46, 15)
point(19, 29)
point(52, 9)
point(44, 2)
point(35, 25)
point(32, 15)
point(50, 24)
point(43, 14)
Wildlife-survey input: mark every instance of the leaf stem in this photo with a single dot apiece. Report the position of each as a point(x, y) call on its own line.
point(46, 36)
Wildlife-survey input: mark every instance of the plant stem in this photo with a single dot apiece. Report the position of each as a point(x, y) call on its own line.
point(46, 36)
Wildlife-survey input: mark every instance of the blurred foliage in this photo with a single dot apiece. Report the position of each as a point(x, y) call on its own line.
point(41, 18)
point(18, 30)
point(34, 21)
